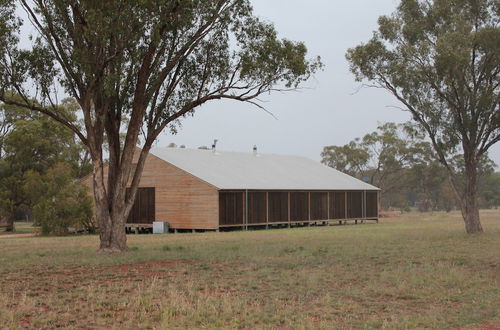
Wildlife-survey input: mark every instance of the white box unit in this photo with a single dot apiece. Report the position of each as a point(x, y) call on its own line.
point(160, 227)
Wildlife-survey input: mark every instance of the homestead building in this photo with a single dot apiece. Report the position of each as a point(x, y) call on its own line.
point(211, 190)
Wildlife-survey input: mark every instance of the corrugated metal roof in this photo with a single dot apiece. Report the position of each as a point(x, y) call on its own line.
point(238, 170)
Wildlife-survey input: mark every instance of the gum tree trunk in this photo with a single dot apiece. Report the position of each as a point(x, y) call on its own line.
point(111, 225)
point(10, 223)
point(112, 203)
point(470, 208)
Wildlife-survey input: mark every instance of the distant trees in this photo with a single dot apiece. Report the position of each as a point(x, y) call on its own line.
point(398, 159)
point(428, 187)
point(441, 60)
point(490, 191)
point(40, 160)
point(382, 158)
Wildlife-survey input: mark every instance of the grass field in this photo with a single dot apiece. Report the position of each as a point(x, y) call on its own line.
point(415, 271)
point(21, 228)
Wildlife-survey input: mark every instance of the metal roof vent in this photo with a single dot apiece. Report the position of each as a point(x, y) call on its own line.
point(214, 146)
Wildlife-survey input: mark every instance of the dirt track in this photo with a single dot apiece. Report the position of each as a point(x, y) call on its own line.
point(19, 235)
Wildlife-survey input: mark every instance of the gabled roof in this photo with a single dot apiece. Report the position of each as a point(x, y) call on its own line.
point(238, 170)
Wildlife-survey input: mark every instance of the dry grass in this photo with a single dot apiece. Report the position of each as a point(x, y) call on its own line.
point(21, 228)
point(414, 271)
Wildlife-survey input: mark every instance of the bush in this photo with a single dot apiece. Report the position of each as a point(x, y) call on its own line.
point(61, 202)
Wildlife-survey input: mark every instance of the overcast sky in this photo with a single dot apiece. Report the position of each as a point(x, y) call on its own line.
point(331, 111)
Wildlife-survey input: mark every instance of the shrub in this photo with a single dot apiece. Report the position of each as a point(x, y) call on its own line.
point(61, 202)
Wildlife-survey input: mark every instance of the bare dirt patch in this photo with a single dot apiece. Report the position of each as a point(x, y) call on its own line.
point(389, 214)
point(19, 235)
point(488, 326)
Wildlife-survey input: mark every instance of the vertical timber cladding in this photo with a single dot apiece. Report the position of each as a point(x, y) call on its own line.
point(143, 210)
point(278, 206)
point(355, 204)
point(371, 204)
point(319, 206)
point(299, 206)
point(257, 207)
point(337, 205)
point(231, 206)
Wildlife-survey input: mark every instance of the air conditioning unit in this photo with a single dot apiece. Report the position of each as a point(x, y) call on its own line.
point(160, 227)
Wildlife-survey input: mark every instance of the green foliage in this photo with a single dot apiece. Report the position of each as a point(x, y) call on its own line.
point(168, 57)
point(430, 189)
point(490, 191)
point(441, 60)
point(32, 146)
point(33, 141)
point(351, 158)
point(383, 158)
point(9, 24)
point(59, 201)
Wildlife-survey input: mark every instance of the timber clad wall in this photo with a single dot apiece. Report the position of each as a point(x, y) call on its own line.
point(299, 206)
point(182, 200)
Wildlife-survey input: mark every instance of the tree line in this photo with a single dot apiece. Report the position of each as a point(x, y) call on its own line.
point(41, 164)
point(399, 160)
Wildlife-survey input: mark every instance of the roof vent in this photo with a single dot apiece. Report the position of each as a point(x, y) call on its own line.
point(214, 145)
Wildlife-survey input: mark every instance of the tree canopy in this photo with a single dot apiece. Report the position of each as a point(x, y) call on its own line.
point(35, 149)
point(441, 60)
point(380, 157)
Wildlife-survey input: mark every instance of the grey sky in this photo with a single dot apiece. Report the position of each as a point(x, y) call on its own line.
point(331, 111)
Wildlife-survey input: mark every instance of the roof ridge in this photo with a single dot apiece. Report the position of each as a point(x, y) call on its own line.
point(220, 152)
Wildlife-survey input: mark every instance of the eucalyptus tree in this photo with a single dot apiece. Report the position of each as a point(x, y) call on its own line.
point(32, 144)
point(383, 158)
point(441, 60)
point(152, 62)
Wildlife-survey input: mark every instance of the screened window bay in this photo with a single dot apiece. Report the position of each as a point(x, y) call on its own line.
point(278, 207)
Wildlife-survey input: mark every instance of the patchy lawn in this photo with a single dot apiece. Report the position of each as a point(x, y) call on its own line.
point(22, 228)
point(414, 271)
